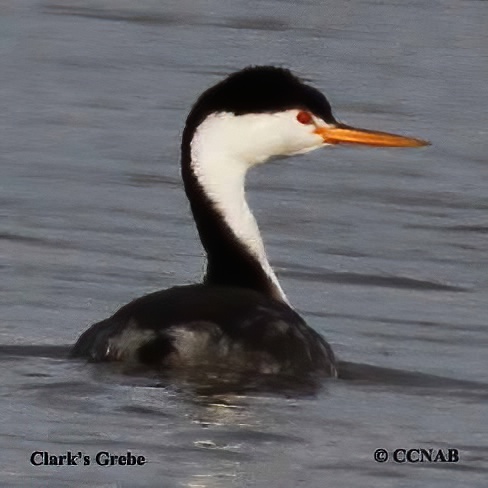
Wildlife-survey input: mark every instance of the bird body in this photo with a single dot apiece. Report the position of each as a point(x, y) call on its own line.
point(202, 326)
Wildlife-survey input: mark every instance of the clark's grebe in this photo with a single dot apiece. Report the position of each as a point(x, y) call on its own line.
point(239, 316)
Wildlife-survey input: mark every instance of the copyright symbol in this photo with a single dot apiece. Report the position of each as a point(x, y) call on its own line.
point(381, 455)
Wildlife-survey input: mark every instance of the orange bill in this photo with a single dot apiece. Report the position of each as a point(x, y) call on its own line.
point(344, 134)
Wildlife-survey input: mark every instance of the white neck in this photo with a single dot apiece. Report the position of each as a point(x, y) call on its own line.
point(221, 171)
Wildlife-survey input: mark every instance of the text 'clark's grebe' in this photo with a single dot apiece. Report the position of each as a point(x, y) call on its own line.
point(239, 317)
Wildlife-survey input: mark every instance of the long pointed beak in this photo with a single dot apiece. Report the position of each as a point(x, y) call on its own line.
point(345, 134)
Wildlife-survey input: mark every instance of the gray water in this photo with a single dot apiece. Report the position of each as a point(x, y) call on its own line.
point(382, 251)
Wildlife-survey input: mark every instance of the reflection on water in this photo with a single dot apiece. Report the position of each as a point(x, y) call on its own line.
point(383, 251)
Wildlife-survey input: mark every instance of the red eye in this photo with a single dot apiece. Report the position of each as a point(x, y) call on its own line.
point(304, 118)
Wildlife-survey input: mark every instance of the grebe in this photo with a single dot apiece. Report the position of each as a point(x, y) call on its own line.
point(239, 317)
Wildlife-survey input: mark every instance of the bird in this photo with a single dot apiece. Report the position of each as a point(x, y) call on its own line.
point(238, 317)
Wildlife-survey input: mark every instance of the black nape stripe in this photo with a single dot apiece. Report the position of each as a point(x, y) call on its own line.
point(229, 261)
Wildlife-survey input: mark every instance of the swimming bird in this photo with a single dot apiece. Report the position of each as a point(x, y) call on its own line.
point(238, 317)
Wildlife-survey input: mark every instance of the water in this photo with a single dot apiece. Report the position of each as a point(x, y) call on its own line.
point(383, 251)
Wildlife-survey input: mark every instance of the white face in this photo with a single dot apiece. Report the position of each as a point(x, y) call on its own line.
point(225, 146)
point(254, 138)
